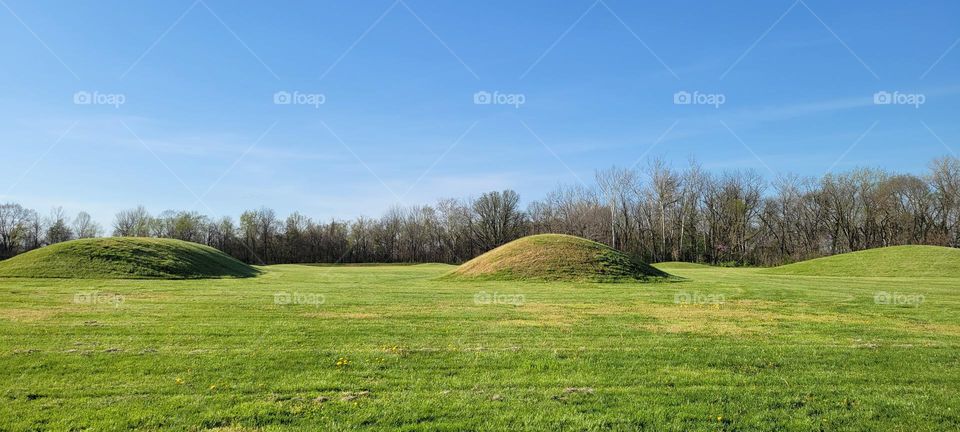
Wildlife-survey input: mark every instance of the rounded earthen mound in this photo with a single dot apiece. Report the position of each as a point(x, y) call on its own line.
point(555, 257)
point(892, 261)
point(125, 258)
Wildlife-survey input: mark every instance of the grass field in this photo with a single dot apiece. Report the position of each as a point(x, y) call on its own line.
point(393, 347)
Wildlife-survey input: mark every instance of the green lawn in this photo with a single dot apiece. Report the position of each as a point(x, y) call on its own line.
point(391, 347)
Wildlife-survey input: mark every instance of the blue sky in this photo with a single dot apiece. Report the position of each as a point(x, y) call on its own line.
point(399, 123)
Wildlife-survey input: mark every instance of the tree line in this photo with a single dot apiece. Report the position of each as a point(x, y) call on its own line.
point(656, 212)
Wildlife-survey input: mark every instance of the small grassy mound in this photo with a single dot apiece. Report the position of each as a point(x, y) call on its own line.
point(680, 265)
point(555, 257)
point(893, 261)
point(125, 258)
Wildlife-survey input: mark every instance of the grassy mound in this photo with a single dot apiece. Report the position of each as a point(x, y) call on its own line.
point(680, 265)
point(125, 258)
point(894, 261)
point(555, 257)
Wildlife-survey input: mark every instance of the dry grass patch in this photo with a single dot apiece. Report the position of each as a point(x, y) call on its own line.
point(29, 315)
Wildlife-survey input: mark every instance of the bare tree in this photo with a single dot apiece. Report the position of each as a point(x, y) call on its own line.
point(618, 187)
point(58, 227)
point(12, 229)
point(85, 227)
point(664, 193)
point(132, 223)
point(496, 219)
point(944, 179)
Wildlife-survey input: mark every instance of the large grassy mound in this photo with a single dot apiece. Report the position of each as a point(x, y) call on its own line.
point(555, 257)
point(125, 258)
point(894, 261)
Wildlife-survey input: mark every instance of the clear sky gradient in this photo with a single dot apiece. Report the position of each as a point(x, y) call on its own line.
point(108, 104)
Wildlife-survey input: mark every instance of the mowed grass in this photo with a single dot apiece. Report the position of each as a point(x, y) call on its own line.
point(125, 258)
point(670, 265)
point(394, 348)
